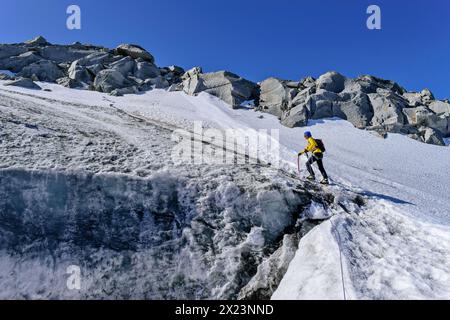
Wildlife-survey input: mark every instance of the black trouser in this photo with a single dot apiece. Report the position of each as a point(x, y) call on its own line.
point(316, 157)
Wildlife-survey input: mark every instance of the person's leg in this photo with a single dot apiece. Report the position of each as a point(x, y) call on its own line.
point(309, 163)
point(322, 169)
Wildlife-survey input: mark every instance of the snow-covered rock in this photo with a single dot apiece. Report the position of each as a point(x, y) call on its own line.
point(23, 83)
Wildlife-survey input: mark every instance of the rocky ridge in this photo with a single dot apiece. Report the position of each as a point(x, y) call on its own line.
point(368, 102)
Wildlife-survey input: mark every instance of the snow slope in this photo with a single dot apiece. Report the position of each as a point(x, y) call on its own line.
point(398, 247)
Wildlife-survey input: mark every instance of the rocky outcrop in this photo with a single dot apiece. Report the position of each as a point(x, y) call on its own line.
point(367, 102)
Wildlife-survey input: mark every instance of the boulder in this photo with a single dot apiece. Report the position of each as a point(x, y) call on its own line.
point(416, 99)
point(109, 80)
point(387, 107)
point(24, 83)
point(17, 63)
point(124, 91)
point(69, 83)
point(275, 96)
point(307, 82)
point(440, 107)
point(154, 83)
point(370, 84)
point(80, 74)
point(355, 108)
point(44, 70)
point(175, 70)
point(94, 59)
point(145, 70)
point(440, 123)
point(125, 66)
point(191, 80)
point(427, 95)
point(135, 52)
point(321, 103)
point(331, 81)
point(172, 73)
point(95, 68)
point(417, 115)
point(423, 116)
point(431, 136)
point(229, 87)
point(296, 117)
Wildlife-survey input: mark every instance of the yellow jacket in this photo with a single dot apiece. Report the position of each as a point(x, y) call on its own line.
point(312, 146)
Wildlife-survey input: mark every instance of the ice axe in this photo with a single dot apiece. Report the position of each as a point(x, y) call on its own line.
point(298, 162)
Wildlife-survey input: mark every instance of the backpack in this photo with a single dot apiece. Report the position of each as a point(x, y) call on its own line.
point(321, 145)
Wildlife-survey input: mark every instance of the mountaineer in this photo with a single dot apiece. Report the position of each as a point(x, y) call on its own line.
point(317, 149)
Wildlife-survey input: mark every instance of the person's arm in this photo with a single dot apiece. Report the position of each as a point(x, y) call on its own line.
point(312, 145)
point(307, 149)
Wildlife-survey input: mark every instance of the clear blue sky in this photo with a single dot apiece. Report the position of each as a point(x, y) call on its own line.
point(259, 38)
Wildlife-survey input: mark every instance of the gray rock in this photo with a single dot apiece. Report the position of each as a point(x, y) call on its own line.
point(432, 136)
point(94, 59)
point(387, 108)
point(155, 83)
point(124, 91)
point(44, 70)
point(321, 103)
point(109, 80)
point(80, 73)
point(24, 83)
point(135, 52)
point(440, 123)
point(296, 117)
point(370, 84)
point(96, 68)
point(191, 81)
point(416, 99)
point(179, 71)
point(125, 66)
point(11, 50)
point(275, 97)
point(59, 54)
point(417, 115)
point(423, 116)
point(355, 108)
point(38, 41)
point(175, 87)
point(17, 63)
point(145, 70)
point(440, 107)
point(69, 83)
point(229, 87)
point(331, 81)
point(308, 82)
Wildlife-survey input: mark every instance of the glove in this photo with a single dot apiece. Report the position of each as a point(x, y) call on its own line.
point(301, 153)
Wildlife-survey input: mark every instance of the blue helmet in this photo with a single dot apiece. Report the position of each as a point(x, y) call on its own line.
point(308, 134)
